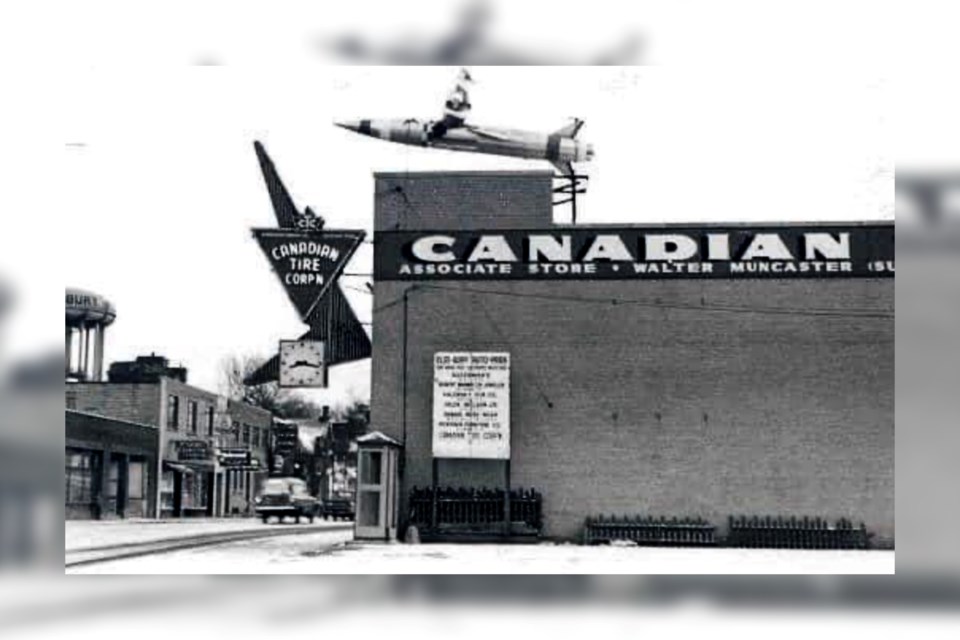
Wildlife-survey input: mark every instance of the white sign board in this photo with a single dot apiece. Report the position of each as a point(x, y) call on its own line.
point(471, 405)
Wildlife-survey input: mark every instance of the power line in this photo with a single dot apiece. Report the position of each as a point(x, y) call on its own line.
point(879, 314)
point(659, 304)
point(533, 378)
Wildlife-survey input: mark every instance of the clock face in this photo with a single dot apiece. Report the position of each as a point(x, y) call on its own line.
point(302, 364)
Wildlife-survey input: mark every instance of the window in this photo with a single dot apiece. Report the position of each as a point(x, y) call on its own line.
point(136, 480)
point(173, 412)
point(192, 415)
point(166, 490)
point(209, 421)
point(256, 437)
point(194, 491)
point(236, 431)
point(80, 468)
point(246, 434)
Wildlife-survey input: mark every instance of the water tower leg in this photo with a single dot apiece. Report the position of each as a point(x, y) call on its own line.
point(68, 349)
point(98, 354)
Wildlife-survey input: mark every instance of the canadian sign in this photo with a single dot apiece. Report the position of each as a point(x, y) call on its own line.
point(471, 405)
point(307, 263)
point(610, 253)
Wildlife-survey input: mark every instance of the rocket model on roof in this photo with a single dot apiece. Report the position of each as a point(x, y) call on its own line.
point(561, 148)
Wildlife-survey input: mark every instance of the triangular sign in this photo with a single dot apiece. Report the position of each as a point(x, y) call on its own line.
point(307, 263)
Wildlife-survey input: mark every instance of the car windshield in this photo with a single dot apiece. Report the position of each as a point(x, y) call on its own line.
point(276, 486)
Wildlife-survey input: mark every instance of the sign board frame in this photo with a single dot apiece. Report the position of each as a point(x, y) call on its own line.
point(471, 405)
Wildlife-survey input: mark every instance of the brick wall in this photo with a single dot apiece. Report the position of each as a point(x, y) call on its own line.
point(489, 200)
point(134, 402)
point(639, 409)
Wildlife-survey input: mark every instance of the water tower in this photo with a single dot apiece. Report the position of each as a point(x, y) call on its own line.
point(87, 319)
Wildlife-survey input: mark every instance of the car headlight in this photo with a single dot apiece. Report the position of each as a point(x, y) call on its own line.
point(257, 500)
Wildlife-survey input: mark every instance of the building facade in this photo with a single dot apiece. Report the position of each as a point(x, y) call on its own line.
point(738, 389)
point(109, 467)
point(209, 453)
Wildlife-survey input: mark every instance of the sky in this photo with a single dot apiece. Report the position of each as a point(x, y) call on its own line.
point(146, 185)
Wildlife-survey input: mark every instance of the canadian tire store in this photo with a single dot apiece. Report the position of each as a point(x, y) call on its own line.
point(669, 370)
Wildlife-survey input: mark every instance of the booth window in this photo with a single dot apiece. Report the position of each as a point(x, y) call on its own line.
point(173, 412)
point(371, 467)
point(192, 415)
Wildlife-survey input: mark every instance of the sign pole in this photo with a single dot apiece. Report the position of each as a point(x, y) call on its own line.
point(433, 509)
point(506, 499)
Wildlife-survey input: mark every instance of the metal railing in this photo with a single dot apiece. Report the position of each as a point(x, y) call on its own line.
point(650, 531)
point(795, 533)
point(475, 506)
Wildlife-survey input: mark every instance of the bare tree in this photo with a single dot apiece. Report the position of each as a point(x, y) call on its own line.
point(280, 402)
point(237, 368)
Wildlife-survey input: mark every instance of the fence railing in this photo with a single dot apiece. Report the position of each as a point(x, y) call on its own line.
point(649, 531)
point(795, 533)
point(475, 506)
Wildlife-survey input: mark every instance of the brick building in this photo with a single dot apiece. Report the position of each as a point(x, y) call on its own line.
point(761, 394)
point(207, 455)
point(110, 467)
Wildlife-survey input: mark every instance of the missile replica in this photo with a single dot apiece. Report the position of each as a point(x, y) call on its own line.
point(453, 132)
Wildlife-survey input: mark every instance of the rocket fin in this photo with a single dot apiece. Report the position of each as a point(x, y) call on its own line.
point(571, 130)
point(283, 206)
point(565, 168)
point(488, 133)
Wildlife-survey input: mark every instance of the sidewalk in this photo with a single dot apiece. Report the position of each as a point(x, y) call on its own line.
point(80, 534)
point(360, 557)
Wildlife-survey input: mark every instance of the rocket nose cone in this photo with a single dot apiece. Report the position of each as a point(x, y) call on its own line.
point(357, 126)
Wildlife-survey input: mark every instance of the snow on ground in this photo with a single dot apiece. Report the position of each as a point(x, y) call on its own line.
point(81, 534)
point(335, 553)
point(565, 558)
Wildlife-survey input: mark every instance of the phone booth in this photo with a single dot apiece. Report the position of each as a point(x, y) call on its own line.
point(377, 481)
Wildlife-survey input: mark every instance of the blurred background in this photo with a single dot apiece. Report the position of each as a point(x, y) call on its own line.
point(913, 44)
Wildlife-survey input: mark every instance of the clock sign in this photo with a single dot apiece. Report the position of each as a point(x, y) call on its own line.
point(302, 364)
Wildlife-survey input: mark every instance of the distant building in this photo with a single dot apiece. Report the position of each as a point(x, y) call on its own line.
point(145, 369)
point(145, 443)
point(110, 467)
point(212, 451)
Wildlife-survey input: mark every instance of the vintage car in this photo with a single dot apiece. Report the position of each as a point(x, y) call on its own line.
point(337, 508)
point(286, 497)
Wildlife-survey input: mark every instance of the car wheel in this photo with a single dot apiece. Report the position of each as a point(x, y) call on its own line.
point(265, 519)
point(297, 518)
